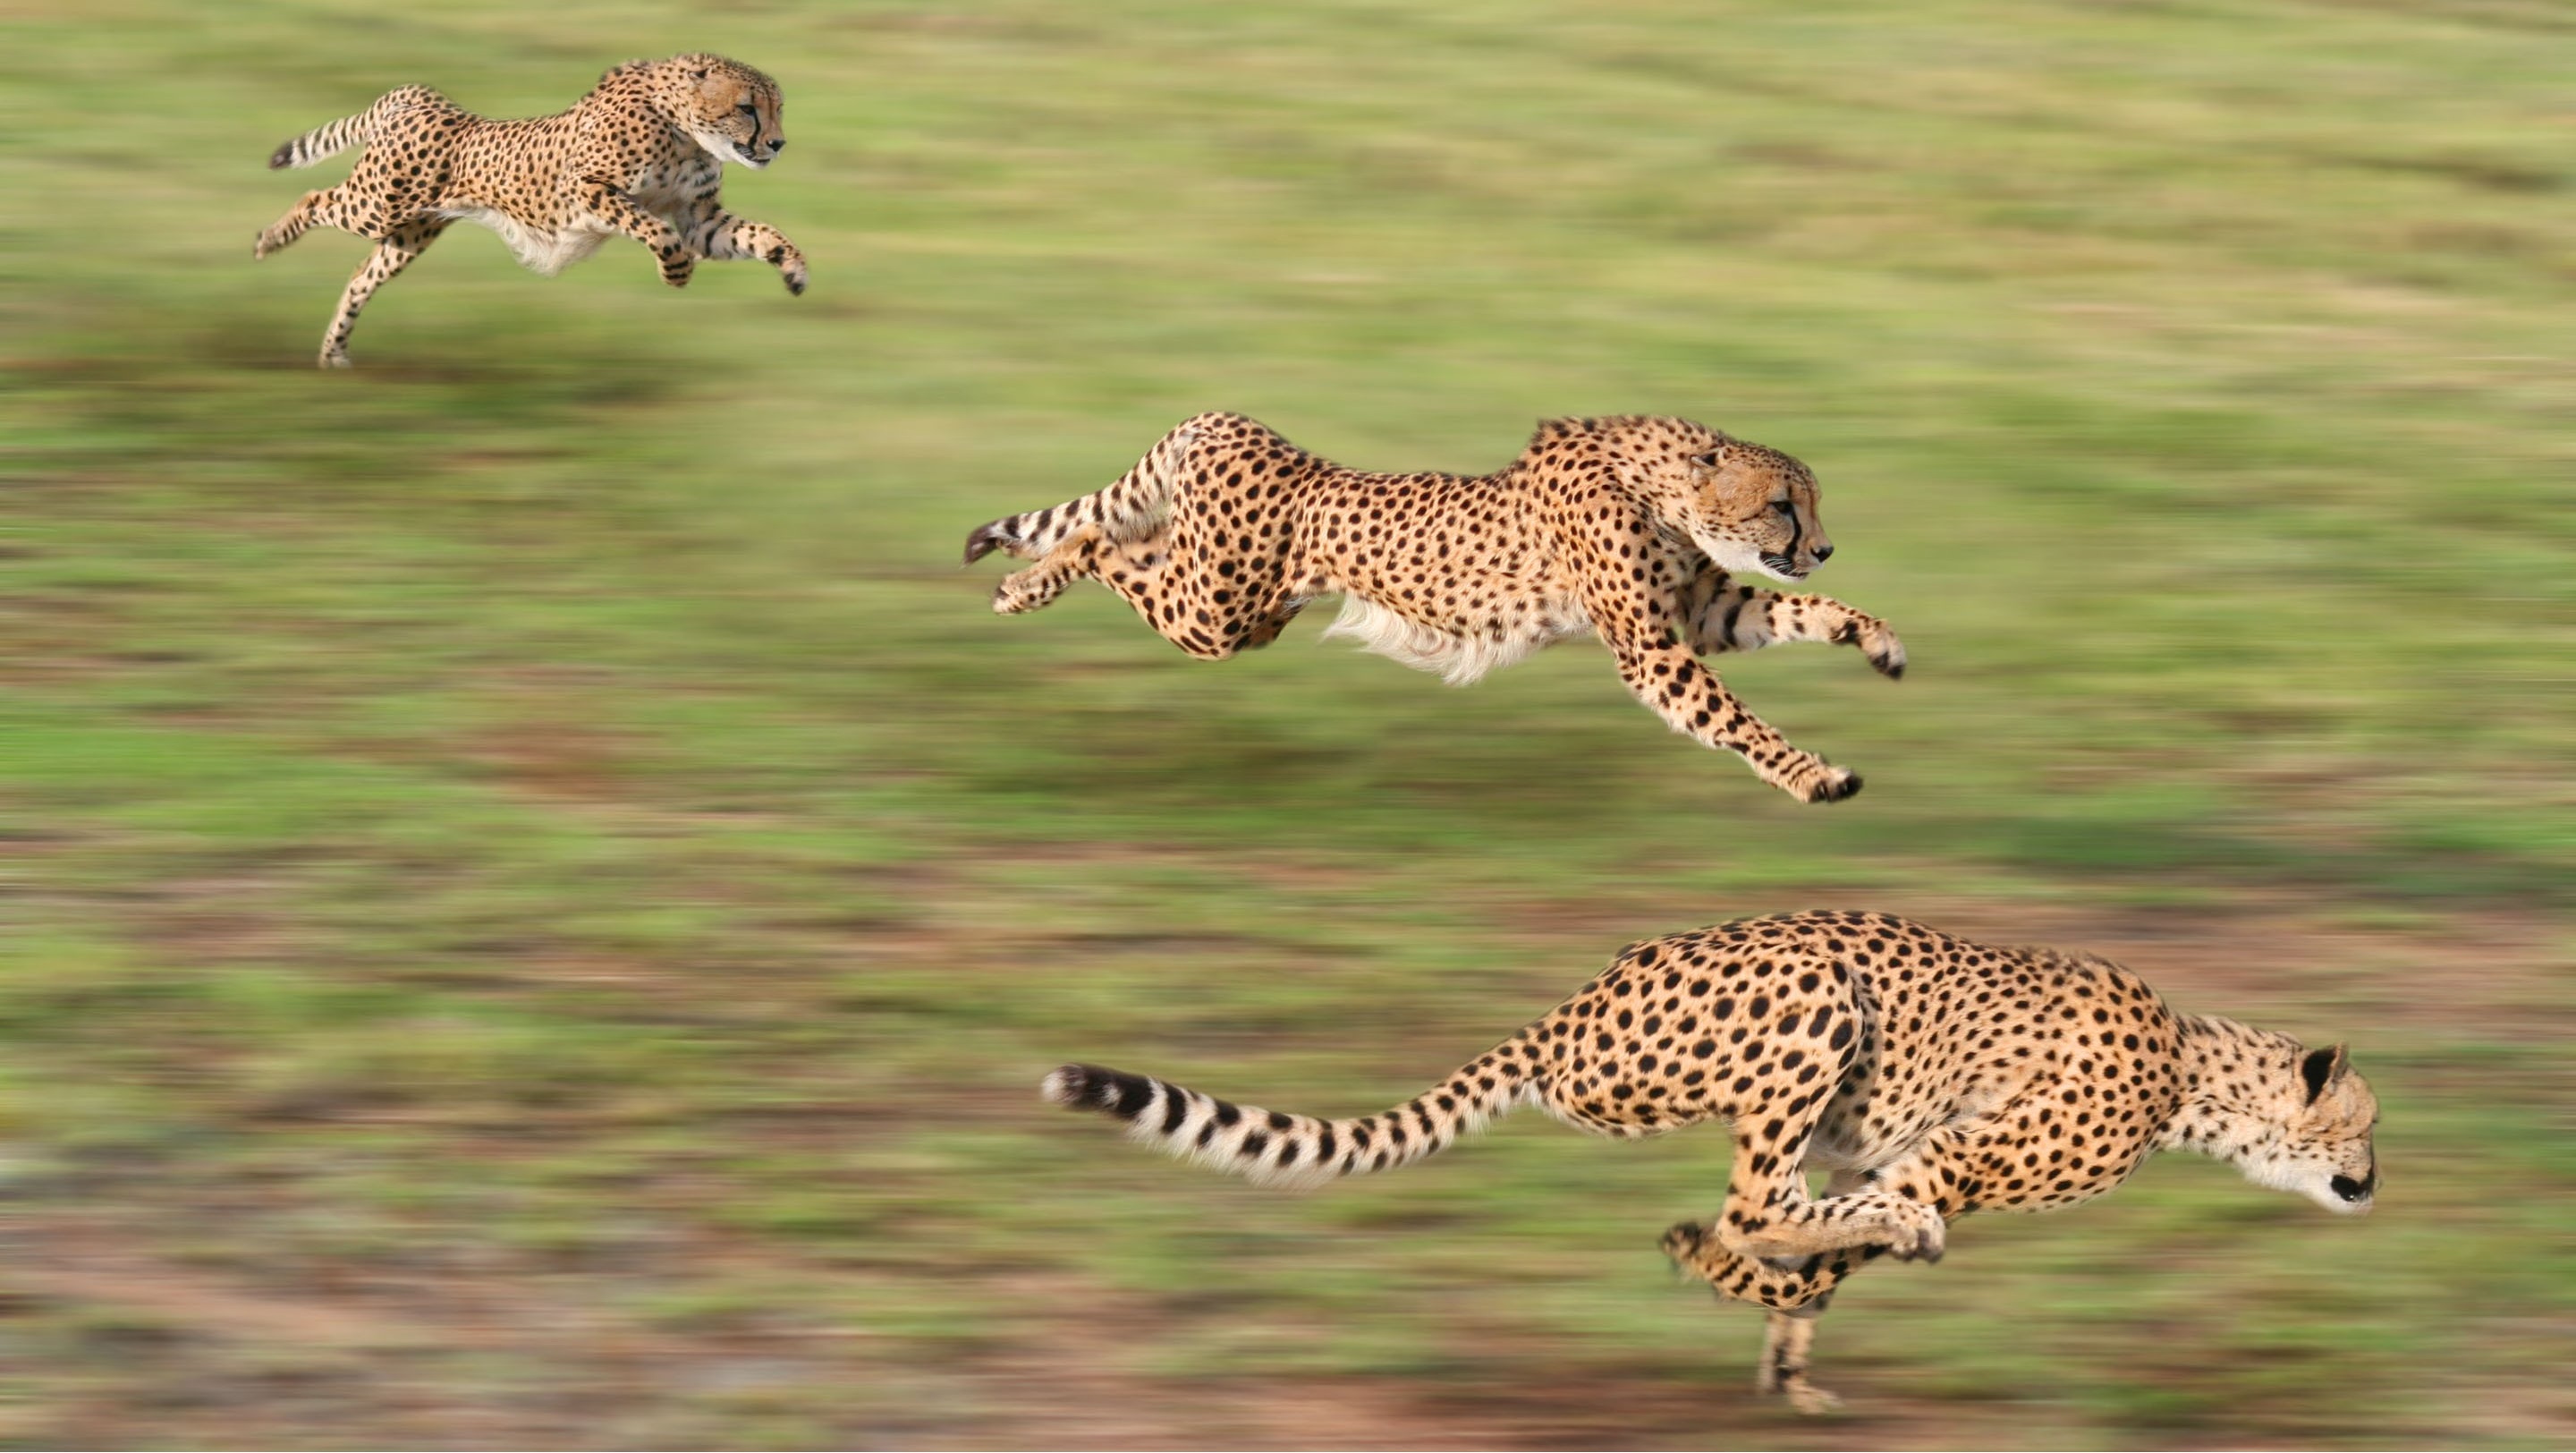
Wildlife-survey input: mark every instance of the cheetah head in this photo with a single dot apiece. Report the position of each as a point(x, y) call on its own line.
point(1750, 509)
point(725, 106)
point(2309, 1132)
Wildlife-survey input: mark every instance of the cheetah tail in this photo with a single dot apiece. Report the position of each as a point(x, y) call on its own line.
point(325, 142)
point(1294, 1151)
point(321, 143)
point(1126, 510)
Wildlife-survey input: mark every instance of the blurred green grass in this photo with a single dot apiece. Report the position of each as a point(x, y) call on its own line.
point(537, 895)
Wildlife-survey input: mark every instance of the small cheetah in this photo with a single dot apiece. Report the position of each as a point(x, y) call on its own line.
point(1928, 1076)
point(1632, 529)
point(643, 154)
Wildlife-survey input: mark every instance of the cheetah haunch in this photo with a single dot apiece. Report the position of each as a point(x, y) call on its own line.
point(1632, 529)
point(641, 156)
point(1931, 1077)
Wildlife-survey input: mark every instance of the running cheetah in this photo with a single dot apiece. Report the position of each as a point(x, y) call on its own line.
point(643, 155)
point(1929, 1076)
point(1633, 529)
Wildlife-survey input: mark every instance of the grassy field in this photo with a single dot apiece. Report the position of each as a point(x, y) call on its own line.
point(537, 896)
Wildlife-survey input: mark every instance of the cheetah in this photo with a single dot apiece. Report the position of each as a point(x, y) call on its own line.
point(1633, 529)
point(1927, 1076)
point(643, 155)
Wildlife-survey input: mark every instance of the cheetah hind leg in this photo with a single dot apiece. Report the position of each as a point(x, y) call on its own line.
point(391, 256)
point(1786, 1339)
point(318, 209)
point(1036, 587)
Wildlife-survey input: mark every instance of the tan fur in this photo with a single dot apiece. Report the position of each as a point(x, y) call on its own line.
point(1634, 529)
point(641, 156)
point(1926, 1075)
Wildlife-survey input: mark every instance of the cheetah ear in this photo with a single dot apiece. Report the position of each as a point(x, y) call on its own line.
point(1715, 457)
point(2321, 1068)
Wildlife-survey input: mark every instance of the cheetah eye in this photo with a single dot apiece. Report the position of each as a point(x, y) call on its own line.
point(1785, 506)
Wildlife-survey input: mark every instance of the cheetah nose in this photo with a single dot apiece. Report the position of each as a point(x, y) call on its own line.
point(778, 143)
point(2354, 1190)
point(1824, 553)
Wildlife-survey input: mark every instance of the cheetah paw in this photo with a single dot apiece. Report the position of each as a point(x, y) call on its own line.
point(1922, 1240)
point(1831, 784)
point(1025, 591)
point(333, 360)
point(1681, 1242)
point(1692, 1248)
point(1805, 1397)
point(1812, 1401)
point(1885, 652)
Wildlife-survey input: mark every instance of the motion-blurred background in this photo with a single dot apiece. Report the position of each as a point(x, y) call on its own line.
point(538, 897)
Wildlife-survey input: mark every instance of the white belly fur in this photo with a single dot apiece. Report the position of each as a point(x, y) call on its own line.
point(544, 251)
point(1459, 660)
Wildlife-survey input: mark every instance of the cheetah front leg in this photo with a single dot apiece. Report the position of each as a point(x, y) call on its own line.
point(1037, 586)
point(1725, 616)
point(1769, 1216)
point(1661, 672)
point(391, 256)
point(718, 234)
point(1637, 619)
point(608, 201)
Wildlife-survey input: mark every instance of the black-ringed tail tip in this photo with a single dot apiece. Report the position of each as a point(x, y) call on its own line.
point(1121, 1095)
point(1271, 1147)
point(983, 540)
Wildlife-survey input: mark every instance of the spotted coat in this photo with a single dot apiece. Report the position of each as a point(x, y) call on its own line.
point(1635, 530)
point(1926, 1075)
point(641, 156)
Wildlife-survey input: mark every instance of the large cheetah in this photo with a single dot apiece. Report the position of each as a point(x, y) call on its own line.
point(1930, 1076)
point(1632, 529)
point(642, 155)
